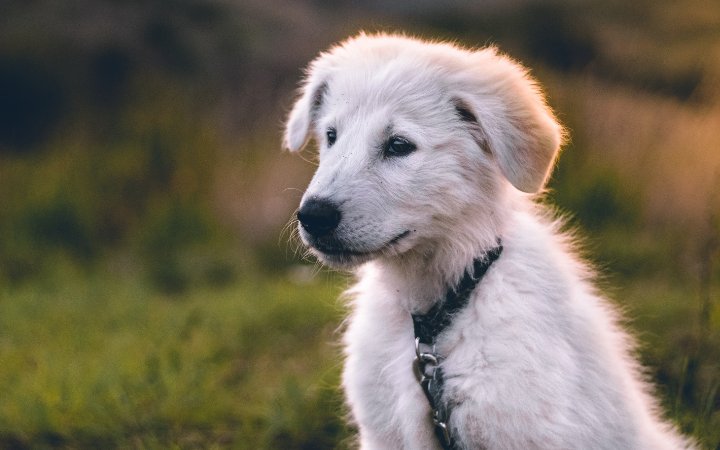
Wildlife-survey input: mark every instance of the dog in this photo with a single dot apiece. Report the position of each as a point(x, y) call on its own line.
point(432, 159)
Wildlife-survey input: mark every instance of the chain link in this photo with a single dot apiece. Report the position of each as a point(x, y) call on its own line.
point(427, 371)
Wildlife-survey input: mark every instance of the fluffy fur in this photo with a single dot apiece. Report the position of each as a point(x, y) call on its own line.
point(537, 360)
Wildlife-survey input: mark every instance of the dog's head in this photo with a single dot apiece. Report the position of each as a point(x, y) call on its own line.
point(416, 140)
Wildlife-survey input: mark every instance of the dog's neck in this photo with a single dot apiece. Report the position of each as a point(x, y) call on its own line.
point(422, 276)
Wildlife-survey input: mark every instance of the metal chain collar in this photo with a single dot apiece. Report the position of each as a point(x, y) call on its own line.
point(429, 374)
point(427, 363)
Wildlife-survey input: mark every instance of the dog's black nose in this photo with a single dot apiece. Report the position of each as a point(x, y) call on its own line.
point(319, 216)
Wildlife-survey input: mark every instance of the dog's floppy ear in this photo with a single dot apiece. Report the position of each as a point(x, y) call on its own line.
point(510, 119)
point(304, 112)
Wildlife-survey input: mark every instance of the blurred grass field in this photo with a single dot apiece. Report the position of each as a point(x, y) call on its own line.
point(151, 295)
point(97, 361)
point(101, 362)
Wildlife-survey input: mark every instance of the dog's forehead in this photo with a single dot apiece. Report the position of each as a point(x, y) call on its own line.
point(394, 86)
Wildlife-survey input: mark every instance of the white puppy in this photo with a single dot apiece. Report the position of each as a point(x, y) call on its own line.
point(429, 158)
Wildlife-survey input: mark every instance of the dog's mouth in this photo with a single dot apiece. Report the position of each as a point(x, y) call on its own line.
point(334, 253)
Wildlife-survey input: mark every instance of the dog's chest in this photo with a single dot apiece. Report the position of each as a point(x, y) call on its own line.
point(379, 346)
point(381, 388)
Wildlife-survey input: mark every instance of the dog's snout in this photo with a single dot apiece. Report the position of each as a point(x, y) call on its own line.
point(319, 216)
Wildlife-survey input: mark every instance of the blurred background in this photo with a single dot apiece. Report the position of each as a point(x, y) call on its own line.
point(151, 295)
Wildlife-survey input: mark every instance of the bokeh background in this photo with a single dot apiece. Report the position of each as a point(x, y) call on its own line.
point(151, 295)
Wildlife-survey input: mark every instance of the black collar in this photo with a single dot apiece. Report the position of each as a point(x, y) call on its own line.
point(427, 364)
point(429, 325)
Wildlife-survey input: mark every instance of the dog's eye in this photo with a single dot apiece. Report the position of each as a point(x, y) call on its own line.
point(331, 134)
point(398, 146)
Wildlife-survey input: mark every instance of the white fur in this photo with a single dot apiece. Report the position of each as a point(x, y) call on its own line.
point(537, 359)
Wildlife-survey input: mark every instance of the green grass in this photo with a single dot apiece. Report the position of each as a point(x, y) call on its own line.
point(102, 361)
point(681, 352)
point(107, 363)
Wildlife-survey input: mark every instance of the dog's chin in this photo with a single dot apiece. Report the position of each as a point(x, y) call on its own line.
point(342, 257)
point(342, 260)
